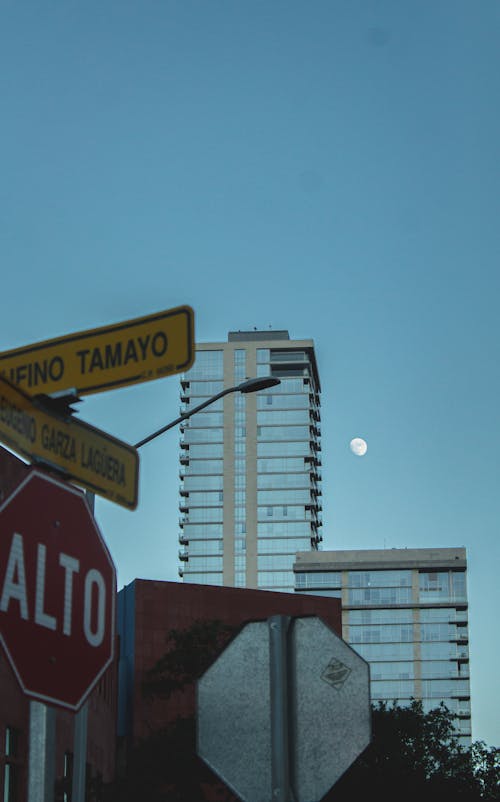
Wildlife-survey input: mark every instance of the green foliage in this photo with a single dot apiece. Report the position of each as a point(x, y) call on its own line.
point(486, 767)
point(417, 756)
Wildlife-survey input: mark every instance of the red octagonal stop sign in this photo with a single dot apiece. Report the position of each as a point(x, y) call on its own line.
point(57, 591)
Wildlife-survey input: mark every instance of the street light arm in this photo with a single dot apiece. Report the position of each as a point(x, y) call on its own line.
point(184, 416)
point(248, 386)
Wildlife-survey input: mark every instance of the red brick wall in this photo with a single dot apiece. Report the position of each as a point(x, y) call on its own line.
point(162, 606)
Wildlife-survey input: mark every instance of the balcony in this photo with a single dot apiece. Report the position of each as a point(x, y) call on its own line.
point(183, 555)
point(183, 539)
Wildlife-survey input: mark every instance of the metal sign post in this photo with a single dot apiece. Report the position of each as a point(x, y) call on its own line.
point(80, 727)
point(41, 766)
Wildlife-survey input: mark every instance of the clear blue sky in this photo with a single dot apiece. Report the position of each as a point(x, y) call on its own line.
point(330, 167)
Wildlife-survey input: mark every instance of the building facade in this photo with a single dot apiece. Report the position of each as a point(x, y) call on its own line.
point(250, 493)
point(406, 612)
point(148, 610)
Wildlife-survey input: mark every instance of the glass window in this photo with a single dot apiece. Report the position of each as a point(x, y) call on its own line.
point(204, 578)
point(379, 579)
point(438, 668)
point(202, 450)
point(438, 631)
point(288, 356)
point(380, 616)
point(276, 562)
point(284, 528)
point(385, 651)
point(204, 466)
point(281, 465)
point(206, 499)
point(239, 364)
point(382, 596)
point(10, 790)
point(284, 480)
point(293, 496)
point(262, 355)
point(208, 482)
point(283, 545)
point(381, 634)
point(207, 389)
point(203, 419)
point(203, 530)
point(205, 547)
point(204, 514)
point(291, 385)
point(284, 449)
point(439, 688)
point(283, 416)
point(203, 435)
point(296, 513)
point(207, 365)
point(440, 650)
point(318, 579)
point(397, 670)
point(281, 401)
point(442, 586)
point(392, 689)
point(429, 614)
point(216, 406)
point(458, 585)
point(201, 563)
point(283, 433)
point(273, 579)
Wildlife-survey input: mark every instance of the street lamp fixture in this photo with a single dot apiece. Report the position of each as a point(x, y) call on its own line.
point(248, 386)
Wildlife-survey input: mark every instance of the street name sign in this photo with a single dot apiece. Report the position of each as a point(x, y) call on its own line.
point(93, 458)
point(106, 358)
point(284, 710)
point(57, 591)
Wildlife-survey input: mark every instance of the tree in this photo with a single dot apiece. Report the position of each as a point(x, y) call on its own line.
point(417, 756)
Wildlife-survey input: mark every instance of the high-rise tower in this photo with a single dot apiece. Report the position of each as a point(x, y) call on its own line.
point(406, 612)
point(250, 494)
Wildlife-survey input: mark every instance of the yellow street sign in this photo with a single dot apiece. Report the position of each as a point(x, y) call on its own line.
point(94, 459)
point(113, 356)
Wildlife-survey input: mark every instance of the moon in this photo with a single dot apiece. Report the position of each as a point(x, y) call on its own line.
point(358, 446)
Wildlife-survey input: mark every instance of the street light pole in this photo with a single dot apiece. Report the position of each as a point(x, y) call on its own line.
point(248, 386)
